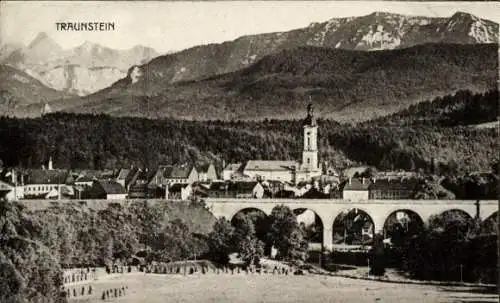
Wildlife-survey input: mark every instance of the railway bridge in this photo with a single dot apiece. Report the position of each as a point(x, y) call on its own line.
point(378, 210)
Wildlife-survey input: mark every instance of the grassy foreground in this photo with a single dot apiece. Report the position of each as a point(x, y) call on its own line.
point(241, 287)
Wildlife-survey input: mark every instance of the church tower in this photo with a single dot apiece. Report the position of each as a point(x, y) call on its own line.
point(310, 152)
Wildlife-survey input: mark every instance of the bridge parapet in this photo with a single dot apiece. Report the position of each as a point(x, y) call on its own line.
point(278, 201)
point(329, 209)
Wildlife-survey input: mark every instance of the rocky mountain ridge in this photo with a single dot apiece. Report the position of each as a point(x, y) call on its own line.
point(377, 31)
point(81, 70)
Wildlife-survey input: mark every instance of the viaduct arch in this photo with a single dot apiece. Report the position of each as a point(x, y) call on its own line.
point(328, 210)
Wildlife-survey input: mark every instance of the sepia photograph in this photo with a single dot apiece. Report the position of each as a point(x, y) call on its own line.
point(249, 151)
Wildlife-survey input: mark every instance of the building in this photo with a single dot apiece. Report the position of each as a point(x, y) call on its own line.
point(271, 170)
point(288, 170)
point(11, 185)
point(84, 181)
point(10, 191)
point(239, 189)
point(139, 186)
point(356, 189)
point(310, 152)
point(228, 173)
point(179, 191)
point(170, 174)
point(126, 176)
point(400, 188)
point(39, 182)
point(206, 173)
point(106, 189)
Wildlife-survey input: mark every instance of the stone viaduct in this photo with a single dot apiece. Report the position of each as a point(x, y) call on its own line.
point(378, 210)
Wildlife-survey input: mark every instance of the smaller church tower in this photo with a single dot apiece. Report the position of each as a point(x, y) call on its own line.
point(310, 151)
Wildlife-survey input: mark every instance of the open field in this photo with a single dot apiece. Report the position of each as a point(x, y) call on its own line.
point(153, 288)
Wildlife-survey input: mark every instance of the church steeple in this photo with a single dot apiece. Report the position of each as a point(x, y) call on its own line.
point(310, 151)
point(310, 120)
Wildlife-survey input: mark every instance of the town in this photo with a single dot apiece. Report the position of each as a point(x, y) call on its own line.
point(249, 152)
point(306, 179)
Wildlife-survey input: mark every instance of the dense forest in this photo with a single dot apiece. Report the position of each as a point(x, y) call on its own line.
point(433, 136)
point(450, 247)
point(36, 245)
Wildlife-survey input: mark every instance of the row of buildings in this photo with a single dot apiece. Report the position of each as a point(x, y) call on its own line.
point(185, 181)
point(252, 179)
point(172, 181)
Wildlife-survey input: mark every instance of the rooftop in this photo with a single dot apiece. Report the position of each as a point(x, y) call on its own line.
point(176, 171)
point(232, 166)
point(41, 176)
point(270, 165)
point(357, 184)
point(123, 174)
point(400, 183)
point(112, 187)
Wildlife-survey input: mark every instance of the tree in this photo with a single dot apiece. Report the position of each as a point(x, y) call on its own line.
point(175, 241)
point(430, 189)
point(34, 274)
point(245, 240)
point(286, 234)
point(251, 250)
point(377, 256)
point(445, 250)
point(221, 240)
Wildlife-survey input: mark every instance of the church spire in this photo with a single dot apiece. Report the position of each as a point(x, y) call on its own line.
point(310, 120)
point(310, 152)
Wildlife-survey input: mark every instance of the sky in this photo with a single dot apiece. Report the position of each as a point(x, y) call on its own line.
point(173, 26)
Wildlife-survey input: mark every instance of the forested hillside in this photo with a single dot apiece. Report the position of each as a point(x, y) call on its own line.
point(462, 108)
point(428, 136)
point(344, 85)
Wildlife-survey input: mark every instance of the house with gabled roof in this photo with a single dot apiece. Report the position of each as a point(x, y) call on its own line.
point(139, 185)
point(206, 172)
point(171, 174)
point(126, 175)
point(106, 189)
point(40, 182)
point(356, 189)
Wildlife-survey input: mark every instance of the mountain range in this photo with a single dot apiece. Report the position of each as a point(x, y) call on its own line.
point(377, 31)
point(342, 85)
point(80, 70)
point(21, 94)
point(353, 69)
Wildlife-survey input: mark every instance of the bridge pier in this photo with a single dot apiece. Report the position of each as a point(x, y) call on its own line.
point(327, 239)
point(378, 222)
